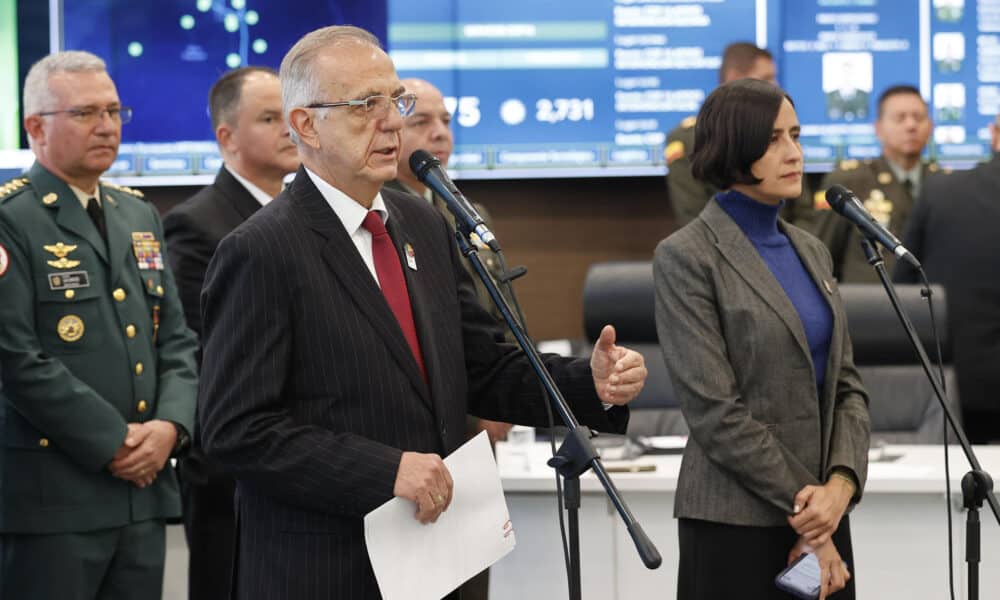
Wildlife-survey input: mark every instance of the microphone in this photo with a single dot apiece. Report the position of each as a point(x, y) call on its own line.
point(845, 202)
point(428, 170)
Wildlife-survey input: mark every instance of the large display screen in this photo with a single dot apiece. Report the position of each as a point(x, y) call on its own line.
point(837, 56)
point(555, 89)
point(593, 86)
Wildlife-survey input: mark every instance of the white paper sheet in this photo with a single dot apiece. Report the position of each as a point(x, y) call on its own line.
point(425, 562)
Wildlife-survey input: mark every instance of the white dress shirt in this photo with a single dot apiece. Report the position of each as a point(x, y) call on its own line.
point(258, 194)
point(352, 214)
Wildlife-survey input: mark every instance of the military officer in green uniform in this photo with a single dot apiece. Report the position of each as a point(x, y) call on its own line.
point(688, 196)
point(98, 368)
point(887, 185)
point(429, 128)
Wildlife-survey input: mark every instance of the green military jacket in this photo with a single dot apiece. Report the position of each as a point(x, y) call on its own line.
point(688, 196)
point(888, 201)
point(92, 337)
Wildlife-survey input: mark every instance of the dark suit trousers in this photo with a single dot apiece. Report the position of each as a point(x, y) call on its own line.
point(210, 529)
point(732, 561)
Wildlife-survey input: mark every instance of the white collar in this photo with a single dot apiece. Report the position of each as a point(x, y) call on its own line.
point(83, 196)
point(348, 210)
point(259, 195)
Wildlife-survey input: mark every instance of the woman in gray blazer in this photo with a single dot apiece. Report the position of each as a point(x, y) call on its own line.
point(754, 335)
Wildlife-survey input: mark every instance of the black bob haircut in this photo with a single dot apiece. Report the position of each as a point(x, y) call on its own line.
point(733, 131)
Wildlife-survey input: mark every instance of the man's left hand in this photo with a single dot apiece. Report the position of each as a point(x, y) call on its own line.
point(619, 373)
point(151, 443)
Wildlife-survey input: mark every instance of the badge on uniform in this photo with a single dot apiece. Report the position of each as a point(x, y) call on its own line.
point(146, 248)
point(70, 328)
point(411, 257)
point(4, 260)
point(68, 281)
point(61, 251)
point(879, 206)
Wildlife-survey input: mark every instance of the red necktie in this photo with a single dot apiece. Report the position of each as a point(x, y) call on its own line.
point(390, 278)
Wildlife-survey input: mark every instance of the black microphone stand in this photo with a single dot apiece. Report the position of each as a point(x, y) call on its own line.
point(577, 453)
point(977, 485)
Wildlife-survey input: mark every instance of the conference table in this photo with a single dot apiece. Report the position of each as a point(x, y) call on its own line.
point(899, 528)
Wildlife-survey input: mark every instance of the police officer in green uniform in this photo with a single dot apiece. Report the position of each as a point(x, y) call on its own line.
point(887, 185)
point(688, 196)
point(98, 368)
point(429, 128)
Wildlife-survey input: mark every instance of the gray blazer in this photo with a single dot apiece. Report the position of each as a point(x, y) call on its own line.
point(739, 360)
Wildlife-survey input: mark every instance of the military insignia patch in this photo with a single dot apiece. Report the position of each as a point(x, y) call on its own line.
point(49, 199)
point(411, 257)
point(61, 251)
point(884, 178)
point(146, 248)
point(4, 260)
point(879, 207)
point(673, 151)
point(70, 328)
point(819, 201)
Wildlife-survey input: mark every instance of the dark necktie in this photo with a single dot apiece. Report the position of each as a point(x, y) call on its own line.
point(908, 186)
point(97, 216)
point(390, 278)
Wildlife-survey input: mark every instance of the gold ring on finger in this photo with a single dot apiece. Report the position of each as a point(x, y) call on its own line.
point(438, 499)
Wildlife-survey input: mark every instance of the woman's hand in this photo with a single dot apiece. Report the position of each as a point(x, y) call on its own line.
point(834, 573)
point(819, 508)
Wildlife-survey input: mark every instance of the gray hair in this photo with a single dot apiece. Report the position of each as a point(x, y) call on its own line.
point(300, 86)
point(37, 96)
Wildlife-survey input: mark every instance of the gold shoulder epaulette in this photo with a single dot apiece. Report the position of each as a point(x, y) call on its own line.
point(933, 167)
point(122, 188)
point(10, 188)
point(848, 164)
point(689, 122)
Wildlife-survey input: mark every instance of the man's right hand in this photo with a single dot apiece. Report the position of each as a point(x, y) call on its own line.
point(424, 479)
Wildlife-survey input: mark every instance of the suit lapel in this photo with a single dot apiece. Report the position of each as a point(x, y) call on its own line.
point(70, 216)
point(421, 296)
point(737, 249)
point(341, 256)
point(119, 233)
point(238, 196)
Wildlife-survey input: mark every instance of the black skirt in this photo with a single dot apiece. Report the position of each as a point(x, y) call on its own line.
point(737, 562)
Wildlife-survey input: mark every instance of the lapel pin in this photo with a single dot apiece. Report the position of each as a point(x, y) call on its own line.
point(411, 258)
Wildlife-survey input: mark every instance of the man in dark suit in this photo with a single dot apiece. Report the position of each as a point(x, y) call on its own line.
point(344, 344)
point(98, 366)
point(953, 231)
point(245, 108)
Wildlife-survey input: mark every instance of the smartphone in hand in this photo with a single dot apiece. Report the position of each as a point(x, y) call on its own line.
point(801, 578)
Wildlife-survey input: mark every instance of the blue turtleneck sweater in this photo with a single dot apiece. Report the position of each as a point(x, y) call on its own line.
point(760, 223)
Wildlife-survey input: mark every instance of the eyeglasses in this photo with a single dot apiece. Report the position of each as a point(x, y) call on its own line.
point(376, 105)
point(91, 115)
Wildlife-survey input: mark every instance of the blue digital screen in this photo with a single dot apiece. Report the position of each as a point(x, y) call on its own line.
point(594, 85)
point(557, 89)
point(164, 56)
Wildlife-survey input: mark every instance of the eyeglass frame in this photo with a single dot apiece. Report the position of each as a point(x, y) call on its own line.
point(82, 114)
point(364, 102)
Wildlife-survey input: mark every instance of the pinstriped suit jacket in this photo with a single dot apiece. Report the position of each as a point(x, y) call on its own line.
point(739, 360)
point(310, 393)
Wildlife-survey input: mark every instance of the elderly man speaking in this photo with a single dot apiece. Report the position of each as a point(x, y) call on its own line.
point(344, 344)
